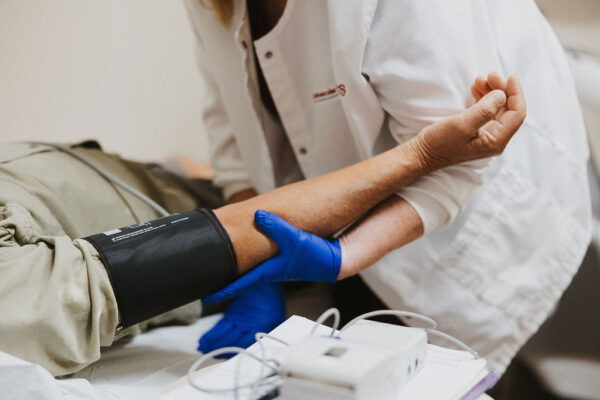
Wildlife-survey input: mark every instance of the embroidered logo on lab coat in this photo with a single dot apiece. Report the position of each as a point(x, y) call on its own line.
point(339, 90)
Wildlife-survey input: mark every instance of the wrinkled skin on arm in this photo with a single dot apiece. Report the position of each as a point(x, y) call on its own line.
point(328, 203)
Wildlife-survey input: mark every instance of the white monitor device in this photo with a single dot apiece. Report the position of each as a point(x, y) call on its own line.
point(370, 360)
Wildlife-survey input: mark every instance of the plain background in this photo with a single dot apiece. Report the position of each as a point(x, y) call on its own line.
point(123, 72)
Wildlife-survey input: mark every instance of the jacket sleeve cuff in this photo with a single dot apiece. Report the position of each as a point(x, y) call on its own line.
point(159, 265)
point(431, 212)
point(441, 196)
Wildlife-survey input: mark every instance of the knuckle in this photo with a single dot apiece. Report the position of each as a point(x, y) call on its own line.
point(494, 146)
point(487, 110)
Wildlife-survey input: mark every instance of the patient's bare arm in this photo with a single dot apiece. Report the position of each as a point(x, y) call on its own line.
point(392, 220)
point(322, 205)
point(326, 204)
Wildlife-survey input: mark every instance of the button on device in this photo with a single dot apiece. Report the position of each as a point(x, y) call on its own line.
point(268, 54)
point(303, 150)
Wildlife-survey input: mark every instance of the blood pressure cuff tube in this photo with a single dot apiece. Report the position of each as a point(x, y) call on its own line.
point(159, 265)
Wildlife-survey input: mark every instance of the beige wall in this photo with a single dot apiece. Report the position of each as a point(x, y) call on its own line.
point(124, 71)
point(120, 71)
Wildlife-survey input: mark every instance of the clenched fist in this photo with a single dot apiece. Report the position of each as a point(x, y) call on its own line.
point(481, 131)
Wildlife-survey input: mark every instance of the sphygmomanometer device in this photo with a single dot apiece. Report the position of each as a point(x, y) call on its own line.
point(371, 360)
point(362, 361)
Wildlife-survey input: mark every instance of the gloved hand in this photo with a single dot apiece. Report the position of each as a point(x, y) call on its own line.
point(258, 309)
point(302, 257)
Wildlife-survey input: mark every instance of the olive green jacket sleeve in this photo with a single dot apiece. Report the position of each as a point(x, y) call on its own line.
point(57, 305)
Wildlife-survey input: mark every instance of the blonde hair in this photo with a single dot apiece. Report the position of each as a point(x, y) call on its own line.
point(223, 8)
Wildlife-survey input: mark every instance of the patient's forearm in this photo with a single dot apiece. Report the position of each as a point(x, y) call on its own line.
point(325, 204)
point(390, 225)
point(321, 205)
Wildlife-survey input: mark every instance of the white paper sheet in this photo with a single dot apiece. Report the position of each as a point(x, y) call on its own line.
point(447, 375)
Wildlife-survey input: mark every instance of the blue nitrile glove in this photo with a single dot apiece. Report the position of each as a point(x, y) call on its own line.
point(258, 309)
point(302, 257)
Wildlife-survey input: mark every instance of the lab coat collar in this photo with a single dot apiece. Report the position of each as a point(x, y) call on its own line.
point(241, 25)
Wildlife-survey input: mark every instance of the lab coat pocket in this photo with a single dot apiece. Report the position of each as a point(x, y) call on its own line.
point(516, 250)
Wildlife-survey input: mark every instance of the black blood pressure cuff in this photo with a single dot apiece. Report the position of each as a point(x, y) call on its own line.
point(159, 265)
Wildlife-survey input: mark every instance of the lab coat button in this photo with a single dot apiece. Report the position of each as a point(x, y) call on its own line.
point(244, 45)
point(303, 150)
point(268, 54)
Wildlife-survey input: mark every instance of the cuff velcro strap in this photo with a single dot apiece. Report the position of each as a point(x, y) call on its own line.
point(159, 265)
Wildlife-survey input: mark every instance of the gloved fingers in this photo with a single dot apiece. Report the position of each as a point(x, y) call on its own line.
point(272, 298)
point(227, 293)
point(232, 338)
point(248, 334)
point(244, 282)
point(223, 334)
point(248, 339)
point(222, 327)
point(214, 334)
point(278, 229)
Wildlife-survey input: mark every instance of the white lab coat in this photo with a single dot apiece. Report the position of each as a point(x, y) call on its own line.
point(503, 240)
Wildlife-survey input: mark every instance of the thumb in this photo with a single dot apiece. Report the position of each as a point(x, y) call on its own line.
point(277, 228)
point(484, 110)
point(231, 290)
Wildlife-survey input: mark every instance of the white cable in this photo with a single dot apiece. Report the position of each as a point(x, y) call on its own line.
point(452, 339)
point(432, 330)
point(110, 177)
point(258, 336)
point(336, 320)
point(226, 350)
point(274, 379)
point(407, 314)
